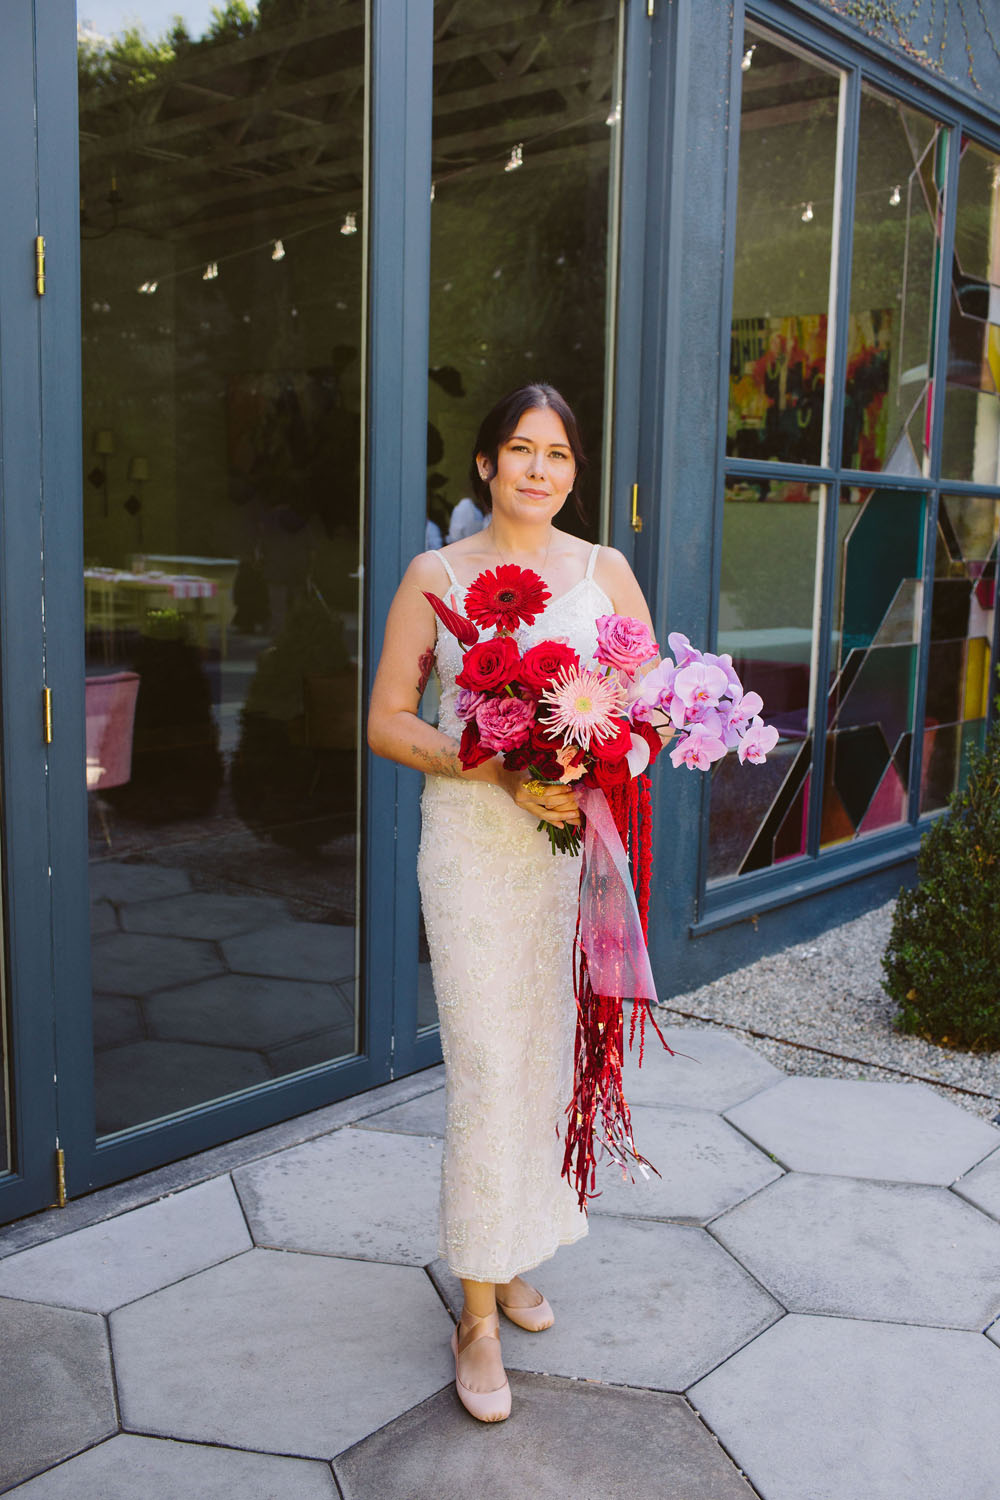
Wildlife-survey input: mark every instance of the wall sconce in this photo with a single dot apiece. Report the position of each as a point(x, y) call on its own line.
point(138, 472)
point(104, 445)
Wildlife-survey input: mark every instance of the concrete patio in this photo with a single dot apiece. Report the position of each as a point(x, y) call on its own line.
point(805, 1305)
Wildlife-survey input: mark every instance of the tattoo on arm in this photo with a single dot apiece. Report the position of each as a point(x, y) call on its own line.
point(426, 665)
point(437, 762)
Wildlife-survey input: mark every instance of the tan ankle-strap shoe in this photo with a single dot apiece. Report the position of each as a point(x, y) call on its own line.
point(534, 1318)
point(486, 1406)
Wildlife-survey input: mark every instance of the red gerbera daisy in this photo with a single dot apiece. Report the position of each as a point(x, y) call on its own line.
point(504, 598)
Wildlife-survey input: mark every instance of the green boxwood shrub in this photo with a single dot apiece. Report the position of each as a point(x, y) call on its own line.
point(942, 964)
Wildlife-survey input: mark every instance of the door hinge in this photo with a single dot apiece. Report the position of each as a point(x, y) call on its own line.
point(40, 264)
point(636, 518)
point(47, 713)
point(60, 1177)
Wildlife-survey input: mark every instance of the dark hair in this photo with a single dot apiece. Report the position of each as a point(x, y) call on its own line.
point(501, 423)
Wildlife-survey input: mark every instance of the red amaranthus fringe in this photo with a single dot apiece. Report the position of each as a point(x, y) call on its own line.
point(598, 1114)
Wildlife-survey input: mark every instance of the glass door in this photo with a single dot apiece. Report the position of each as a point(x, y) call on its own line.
point(222, 235)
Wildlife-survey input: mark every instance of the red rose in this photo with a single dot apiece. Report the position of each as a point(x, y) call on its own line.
point(542, 662)
point(649, 734)
point(471, 752)
point(605, 774)
point(490, 665)
point(617, 745)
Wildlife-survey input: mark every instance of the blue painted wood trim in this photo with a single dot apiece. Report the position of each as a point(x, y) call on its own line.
point(398, 342)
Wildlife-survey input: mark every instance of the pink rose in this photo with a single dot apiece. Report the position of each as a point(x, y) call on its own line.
point(504, 723)
point(624, 643)
point(466, 703)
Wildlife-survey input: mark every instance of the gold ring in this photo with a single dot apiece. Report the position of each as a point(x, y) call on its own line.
point(536, 788)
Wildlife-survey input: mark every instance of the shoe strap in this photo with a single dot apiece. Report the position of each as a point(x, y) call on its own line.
point(469, 1330)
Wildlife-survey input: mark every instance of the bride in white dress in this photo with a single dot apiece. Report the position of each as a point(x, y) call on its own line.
point(499, 907)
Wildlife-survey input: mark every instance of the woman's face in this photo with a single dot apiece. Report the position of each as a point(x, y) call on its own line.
point(535, 469)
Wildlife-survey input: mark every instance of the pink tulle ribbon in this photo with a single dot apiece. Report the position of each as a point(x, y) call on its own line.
point(610, 929)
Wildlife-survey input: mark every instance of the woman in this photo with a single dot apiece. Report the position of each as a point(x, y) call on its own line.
point(499, 908)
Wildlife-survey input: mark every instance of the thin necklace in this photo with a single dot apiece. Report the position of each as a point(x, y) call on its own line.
point(504, 560)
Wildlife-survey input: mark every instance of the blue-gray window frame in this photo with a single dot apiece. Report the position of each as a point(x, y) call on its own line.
point(728, 901)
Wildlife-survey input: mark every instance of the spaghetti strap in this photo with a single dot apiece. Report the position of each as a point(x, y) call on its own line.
point(592, 560)
point(448, 569)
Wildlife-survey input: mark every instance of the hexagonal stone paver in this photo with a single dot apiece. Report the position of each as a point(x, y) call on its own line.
point(831, 1408)
point(421, 1116)
point(202, 914)
point(103, 918)
point(322, 1047)
point(295, 1354)
point(246, 1010)
point(294, 950)
point(113, 880)
point(862, 1249)
point(718, 1071)
point(854, 1127)
point(704, 1164)
point(108, 1264)
point(145, 1080)
point(636, 1303)
point(116, 1020)
point(127, 1467)
point(378, 1199)
point(56, 1394)
point(563, 1438)
point(127, 963)
point(981, 1186)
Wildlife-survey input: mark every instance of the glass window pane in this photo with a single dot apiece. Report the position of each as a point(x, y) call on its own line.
point(971, 445)
point(897, 218)
point(959, 681)
point(525, 135)
point(784, 241)
point(874, 660)
point(221, 163)
point(770, 540)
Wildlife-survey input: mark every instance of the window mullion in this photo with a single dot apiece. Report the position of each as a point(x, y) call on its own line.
point(833, 424)
point(942, 307)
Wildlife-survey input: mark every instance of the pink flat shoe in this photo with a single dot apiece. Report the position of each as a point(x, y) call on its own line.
point(534, 1319)
point(485, 1406)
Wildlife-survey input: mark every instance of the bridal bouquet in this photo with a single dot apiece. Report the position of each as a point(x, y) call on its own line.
point(595, 723)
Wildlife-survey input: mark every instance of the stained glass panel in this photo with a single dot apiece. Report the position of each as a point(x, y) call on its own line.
point(962, 614)
point(784, 240)
point(769, 549)
point(971, 444)
point(897, 218)
point(874, 662)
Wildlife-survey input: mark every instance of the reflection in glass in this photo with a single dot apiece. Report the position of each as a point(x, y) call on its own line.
point(6, 1136)
point(971, 447)
point(222, 192)
point(525, 139)
point(784, 242)
point(874, 660)
point(770, 538)
point(897, 217)
point(962, 619)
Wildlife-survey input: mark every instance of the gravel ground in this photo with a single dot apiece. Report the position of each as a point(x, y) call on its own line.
point(819, 1008)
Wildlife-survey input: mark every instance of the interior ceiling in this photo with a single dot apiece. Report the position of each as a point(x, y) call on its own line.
point(270, 126)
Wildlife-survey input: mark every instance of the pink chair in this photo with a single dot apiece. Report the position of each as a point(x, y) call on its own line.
point(110, 711)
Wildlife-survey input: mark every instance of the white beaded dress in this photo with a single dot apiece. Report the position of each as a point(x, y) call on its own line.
point(500, 914)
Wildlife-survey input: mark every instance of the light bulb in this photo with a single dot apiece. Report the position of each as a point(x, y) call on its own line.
point(278, 253)
point(515, 159)
point(433, 191)
point(807, 214)
point(147, 288)
point(350, 224)
point(745, 65)
point(894, 197)
point(614, 115)
point(211, 271)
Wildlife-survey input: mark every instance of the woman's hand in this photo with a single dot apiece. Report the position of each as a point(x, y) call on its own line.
point(557, 805)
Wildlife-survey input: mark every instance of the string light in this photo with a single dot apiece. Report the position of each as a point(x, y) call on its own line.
point(516, 158)
point(147, 288)
point(747, 62)
point(432, 192)
point(278, 253)
point(807, 214)
point(211, 271)
point(350, 224)
point(894, 197)
point(614, 115)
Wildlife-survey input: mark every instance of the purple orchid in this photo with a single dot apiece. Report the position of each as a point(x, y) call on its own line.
point(759, 739)
point(697, 749)
point(737, 718)
point(697, 687)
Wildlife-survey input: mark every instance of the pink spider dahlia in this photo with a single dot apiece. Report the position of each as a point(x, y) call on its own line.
point(583, 704)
